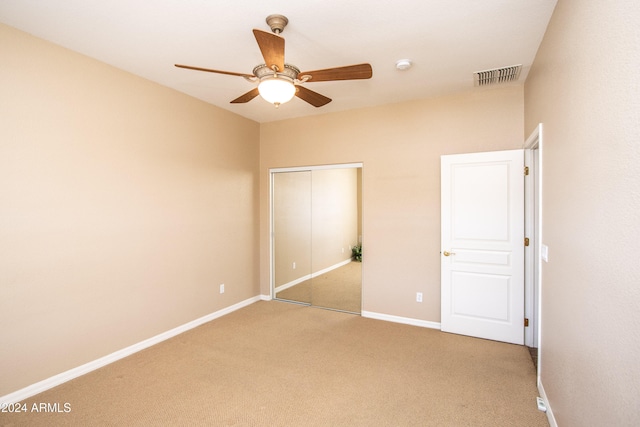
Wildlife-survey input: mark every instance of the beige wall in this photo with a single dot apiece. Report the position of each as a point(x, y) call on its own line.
point(584, 88)
point(400, 146)
point(123, 206)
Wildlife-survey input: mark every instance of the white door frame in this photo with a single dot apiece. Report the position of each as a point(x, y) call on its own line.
point(533, 230)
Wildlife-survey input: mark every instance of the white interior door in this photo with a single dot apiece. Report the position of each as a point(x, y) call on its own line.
point(482, 260)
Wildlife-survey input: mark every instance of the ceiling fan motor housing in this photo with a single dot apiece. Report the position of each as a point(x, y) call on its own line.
point(289, 73)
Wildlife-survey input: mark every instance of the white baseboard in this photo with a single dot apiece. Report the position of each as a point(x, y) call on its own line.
point(311, 276)
point(63, 377)
point(398, 319)
point(543, 395)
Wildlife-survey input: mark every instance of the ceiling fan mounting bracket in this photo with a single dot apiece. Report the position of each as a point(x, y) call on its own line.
point(277, 23)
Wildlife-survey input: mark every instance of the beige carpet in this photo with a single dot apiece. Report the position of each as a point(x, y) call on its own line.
point(280, 364)
point(339, 289)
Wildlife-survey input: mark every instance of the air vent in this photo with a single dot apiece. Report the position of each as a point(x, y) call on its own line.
point(497, 76)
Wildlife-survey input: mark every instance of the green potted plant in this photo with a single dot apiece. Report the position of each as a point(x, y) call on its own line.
point(356, 253)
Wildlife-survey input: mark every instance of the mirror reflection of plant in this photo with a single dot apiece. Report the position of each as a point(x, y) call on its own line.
point(356, 253)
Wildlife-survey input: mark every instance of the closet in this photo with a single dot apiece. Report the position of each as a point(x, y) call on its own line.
point(316, 231)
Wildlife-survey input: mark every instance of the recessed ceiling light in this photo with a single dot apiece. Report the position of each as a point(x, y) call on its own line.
point(403, 64)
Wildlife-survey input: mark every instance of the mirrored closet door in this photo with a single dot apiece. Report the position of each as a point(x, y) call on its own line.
point(291, 237)
point(316, 236)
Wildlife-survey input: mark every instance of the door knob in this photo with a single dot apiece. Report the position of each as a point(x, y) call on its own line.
point(445, 253)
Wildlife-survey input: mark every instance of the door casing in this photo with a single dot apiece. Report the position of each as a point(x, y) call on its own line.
point(533, 229)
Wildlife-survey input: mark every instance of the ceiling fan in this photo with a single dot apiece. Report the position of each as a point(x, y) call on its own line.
point(279, 82)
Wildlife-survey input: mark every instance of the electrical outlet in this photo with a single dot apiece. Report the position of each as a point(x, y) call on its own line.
point(222, 288)
point(418, 296)
point(342, 250)
point(294, 265)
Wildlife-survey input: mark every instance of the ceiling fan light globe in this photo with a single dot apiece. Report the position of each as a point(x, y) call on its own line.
point(276, 90)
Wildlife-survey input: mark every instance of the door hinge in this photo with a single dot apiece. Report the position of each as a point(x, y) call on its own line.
point(526, 322)
point(526, 170)
point(526, 241)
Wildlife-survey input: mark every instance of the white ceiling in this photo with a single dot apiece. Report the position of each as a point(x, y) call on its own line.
point(447, 40)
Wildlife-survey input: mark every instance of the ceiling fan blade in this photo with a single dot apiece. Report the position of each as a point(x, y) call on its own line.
point(313, 98)
point(246, 97)
point(230, 73)
point(272, 48)
point(350, 72)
